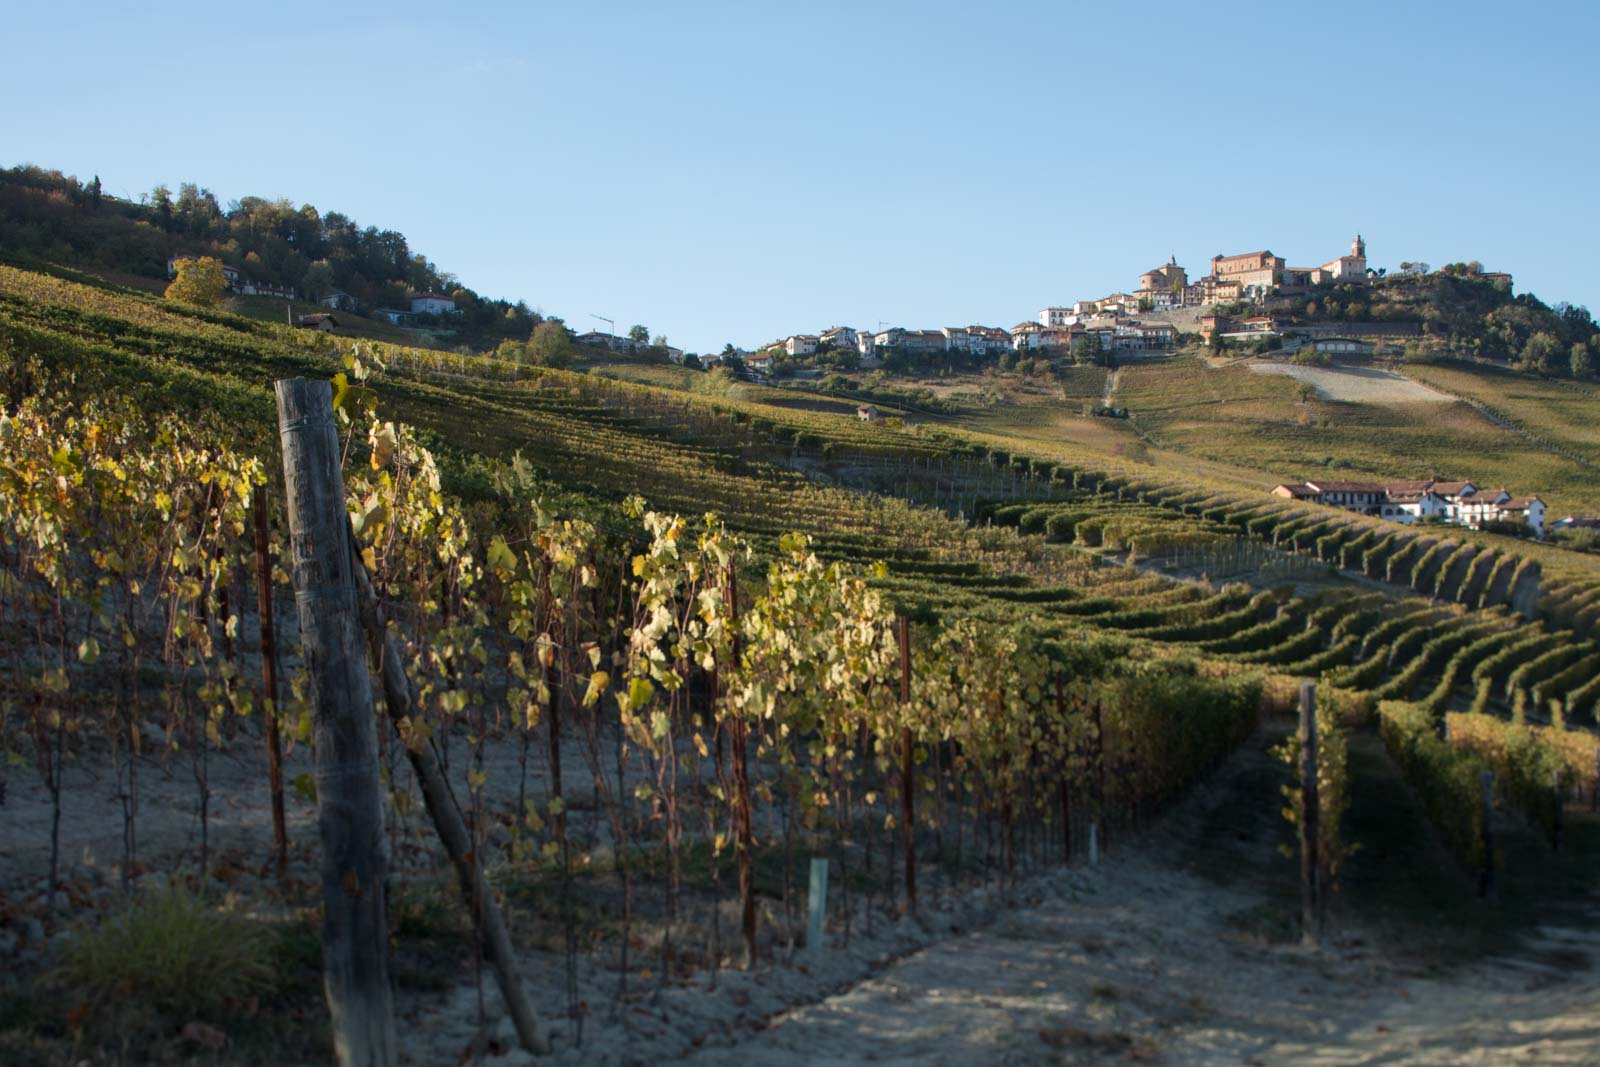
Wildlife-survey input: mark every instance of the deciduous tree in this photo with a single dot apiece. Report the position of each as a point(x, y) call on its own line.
point(550, 346)
point(1582, 361)
point(318, 280)
point(1541, 351)
point(199, 282)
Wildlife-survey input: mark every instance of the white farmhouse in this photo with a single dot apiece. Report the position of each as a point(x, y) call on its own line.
point(1409, 507)
point(956, 339)
point(432, 304)
point(759, 364)
point(866, 345)
point(1529, 510)
point(840, 337)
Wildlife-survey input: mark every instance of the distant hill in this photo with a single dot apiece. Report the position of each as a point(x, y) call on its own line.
point(50, 216)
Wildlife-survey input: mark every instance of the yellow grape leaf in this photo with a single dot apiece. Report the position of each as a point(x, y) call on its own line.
point(385, 442)
point(599, 681)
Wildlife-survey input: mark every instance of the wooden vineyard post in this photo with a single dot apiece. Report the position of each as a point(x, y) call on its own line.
point(1310, 841)
point(1064, 788)
point(743, 825)
point(1098, 824)
point(1486, 836)
point(447, 821)
point(817, 906)
point(1558, 814)
point(908, 802)
point(1594, 790)
point(355, 929)
point(269, 679)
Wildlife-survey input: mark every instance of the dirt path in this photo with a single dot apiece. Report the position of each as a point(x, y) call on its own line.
point(1152, 958)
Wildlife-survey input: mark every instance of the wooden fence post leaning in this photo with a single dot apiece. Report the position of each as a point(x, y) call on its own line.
point(355, 929)
point(1063, 788)
point(1486, 814)
point(269, 678)
point(447, 821)
point(1310, 835)
point(1558, 787)
point(908, 802)
point(744, 828)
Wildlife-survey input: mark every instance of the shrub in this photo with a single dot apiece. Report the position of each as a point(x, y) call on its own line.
point(169, 954)
point(1061, 527)
point(1523, 761)
point(1445, 779)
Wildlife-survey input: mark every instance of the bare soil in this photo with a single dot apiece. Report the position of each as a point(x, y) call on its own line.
point(1357, 385)
point(1181, 946)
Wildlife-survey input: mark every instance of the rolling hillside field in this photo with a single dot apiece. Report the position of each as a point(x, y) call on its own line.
point(1230, 423)
point(689, 592)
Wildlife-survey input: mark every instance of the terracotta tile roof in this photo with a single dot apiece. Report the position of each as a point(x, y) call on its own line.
point(1347, 487)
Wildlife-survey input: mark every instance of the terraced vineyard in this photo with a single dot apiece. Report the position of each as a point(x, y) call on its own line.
point(1117, 627)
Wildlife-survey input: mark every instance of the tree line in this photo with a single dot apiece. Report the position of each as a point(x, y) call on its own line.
point(49, 215)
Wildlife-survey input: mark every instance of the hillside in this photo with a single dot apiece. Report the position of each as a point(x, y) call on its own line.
point(1463, 314)
point(1124, 625)
point(47, 216)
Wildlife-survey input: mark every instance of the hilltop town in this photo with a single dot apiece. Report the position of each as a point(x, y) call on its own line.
point(1233, 302)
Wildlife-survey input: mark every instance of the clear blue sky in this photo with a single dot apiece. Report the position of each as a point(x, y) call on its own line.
point(739, 172)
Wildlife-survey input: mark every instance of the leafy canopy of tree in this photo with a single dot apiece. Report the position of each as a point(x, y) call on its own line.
point(550, 345)
point(200, 282)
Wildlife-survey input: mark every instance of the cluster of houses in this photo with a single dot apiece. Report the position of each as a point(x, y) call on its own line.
point(1106, 332)
point(1461, 503)
point(1103, 330)
point(625, 345)
point(873, 345)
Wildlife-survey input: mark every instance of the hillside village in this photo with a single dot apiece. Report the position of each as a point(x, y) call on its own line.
point(1150, 317)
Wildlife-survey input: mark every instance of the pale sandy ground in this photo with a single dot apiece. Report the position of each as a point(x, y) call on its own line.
point(1359, 385)
point(1141, 959)
point(1141, 965)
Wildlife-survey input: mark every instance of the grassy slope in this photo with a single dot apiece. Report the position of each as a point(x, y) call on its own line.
point(1229, 425)
point(216, 362)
